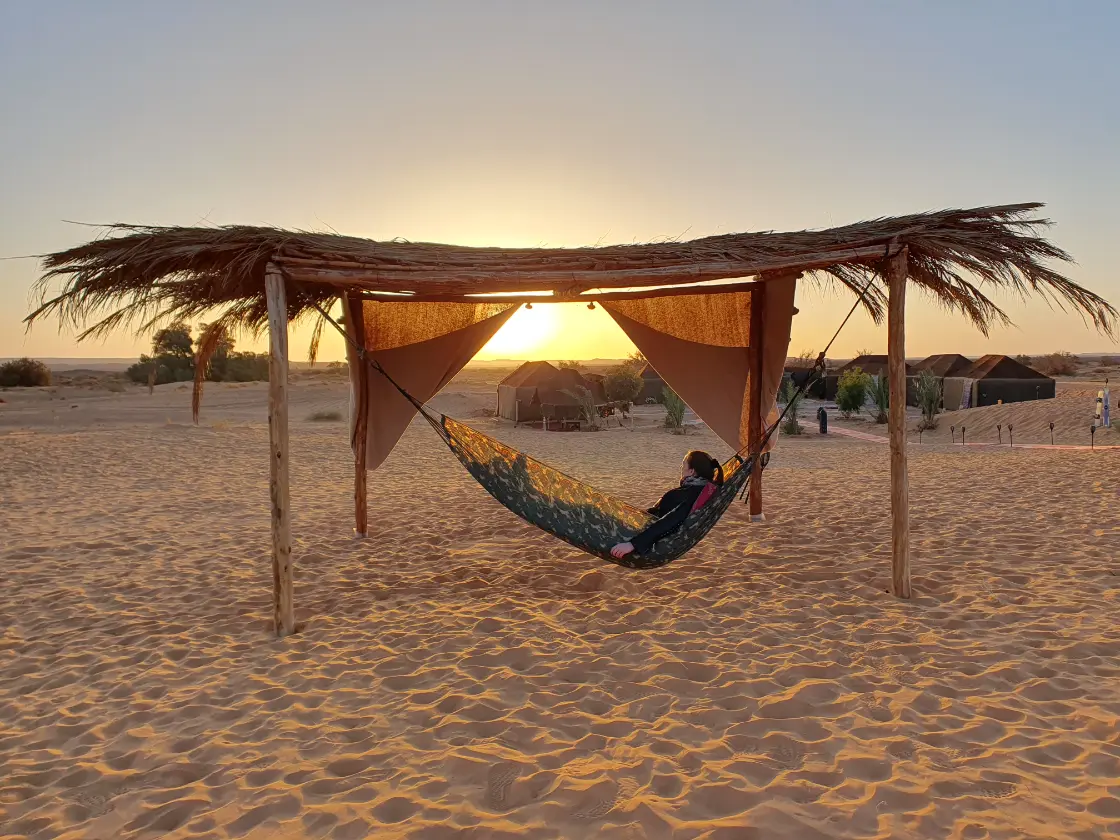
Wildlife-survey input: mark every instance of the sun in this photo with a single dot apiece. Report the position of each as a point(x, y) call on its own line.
point(526, 333)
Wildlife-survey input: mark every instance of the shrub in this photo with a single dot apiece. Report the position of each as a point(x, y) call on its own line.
point(636, 360)
point(325, 416)
point(928, 391)
point(623, 384)
point(569, 365)
point(1058, 364)
point(851, 391)
point(881, 397)
point(1024, 359)
point(792, 400)
point(674, 409)
point(1109, 361)
point(587, 408)
point(24, 373)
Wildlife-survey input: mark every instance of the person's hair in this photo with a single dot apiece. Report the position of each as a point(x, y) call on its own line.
point(705, 465)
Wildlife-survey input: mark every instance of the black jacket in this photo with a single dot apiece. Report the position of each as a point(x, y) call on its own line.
point(672, 511)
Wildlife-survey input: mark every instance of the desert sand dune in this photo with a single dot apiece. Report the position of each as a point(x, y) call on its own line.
point(460, 674)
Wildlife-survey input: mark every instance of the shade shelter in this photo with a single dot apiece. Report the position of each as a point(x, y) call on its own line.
point(418, 309)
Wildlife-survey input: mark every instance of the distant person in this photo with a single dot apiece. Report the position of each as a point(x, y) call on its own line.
point(701, 474)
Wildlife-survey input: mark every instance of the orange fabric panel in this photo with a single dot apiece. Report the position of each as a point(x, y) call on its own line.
point(422, 346)
point(700, 344)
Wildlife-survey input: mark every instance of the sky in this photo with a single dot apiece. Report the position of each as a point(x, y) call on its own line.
point(561, 124)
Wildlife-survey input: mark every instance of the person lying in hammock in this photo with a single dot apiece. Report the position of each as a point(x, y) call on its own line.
point(700, 475)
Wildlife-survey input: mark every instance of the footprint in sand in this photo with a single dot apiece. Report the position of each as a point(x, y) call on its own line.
point(600, 802)
point(498, 783)
point(997, 790)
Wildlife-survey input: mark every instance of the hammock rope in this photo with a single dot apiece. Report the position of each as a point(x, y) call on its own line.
point(574, 511)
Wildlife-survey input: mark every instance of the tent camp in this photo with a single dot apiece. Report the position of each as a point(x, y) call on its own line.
point(539, 390)
point(413, 316)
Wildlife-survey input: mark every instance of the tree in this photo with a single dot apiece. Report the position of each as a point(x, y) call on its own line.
point(674, 410)
point(928, 392)
point(173, 340)
point(881, 396)
point(792, 399)
point(570, 365)
point(851, 391)
point(24, 373)
point(623, 384)
point(636, 360)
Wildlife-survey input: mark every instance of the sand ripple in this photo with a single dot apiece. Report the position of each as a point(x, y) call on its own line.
point(462, 675)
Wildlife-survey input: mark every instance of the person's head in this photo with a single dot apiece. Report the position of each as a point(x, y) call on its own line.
point(701, 464)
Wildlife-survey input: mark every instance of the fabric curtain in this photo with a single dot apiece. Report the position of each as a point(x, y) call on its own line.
point(702, 347)
point(422, 346)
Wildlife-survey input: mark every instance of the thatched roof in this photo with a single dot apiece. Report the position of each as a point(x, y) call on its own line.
point(151, 275)
point(945, 364)
point(1002, 367)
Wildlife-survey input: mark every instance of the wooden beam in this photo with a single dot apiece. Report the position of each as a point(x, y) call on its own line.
point(283, 610)
point(585, 297)
point(352, 308)
point(461, 280)
point(755, 421)
point(896, 375)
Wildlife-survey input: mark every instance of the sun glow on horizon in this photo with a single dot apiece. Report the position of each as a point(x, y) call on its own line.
point(558, 331)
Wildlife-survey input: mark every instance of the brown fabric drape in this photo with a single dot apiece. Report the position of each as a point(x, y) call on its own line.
point(701, 345)
point(422, 346)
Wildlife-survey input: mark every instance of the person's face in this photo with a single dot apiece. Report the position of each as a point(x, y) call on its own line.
point(686, 470)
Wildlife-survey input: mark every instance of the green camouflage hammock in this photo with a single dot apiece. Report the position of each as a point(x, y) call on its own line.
point(576, 512)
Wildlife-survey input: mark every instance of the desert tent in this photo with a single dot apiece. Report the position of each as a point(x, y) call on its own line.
point(538, 389)
point(996, 378)
point(944, 364)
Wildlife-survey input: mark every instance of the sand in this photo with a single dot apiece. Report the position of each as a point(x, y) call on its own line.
point(462, 675)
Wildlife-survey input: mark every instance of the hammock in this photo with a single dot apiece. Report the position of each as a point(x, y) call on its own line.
point(575, 512)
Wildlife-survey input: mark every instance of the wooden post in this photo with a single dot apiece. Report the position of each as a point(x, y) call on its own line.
point(283, 610)
point(352, 306)
point(755, 421)
point(896, 373)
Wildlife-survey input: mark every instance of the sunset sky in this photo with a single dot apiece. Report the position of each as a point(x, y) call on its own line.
point(569, 124)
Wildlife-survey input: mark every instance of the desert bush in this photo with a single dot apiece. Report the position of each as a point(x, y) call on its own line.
point(24, 373)
point(1024, 359)
point(928, 391)
point(1109, 361)
point(623, 384)
point(1057, 364)
point(325, 416)
point(792, 400)
point(570, 365)
point(636, 360)
point(674, 409)
point(881, 397)
point(587, 408)
point(245, 367)
point(851, 391)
